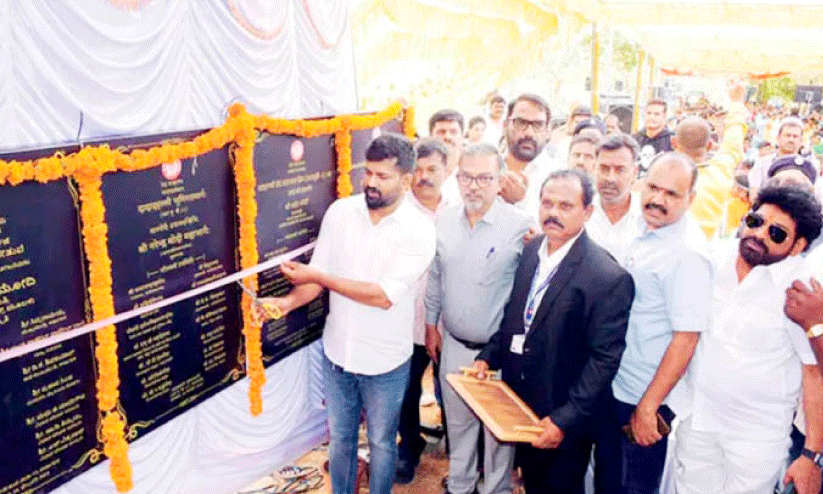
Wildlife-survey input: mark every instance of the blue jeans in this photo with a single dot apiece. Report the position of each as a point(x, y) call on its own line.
point(382, 396)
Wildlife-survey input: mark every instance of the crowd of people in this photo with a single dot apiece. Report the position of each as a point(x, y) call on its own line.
point(619, 284)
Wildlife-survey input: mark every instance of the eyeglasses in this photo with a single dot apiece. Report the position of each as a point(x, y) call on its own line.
point(521, 124)
point(777, 234)
point(466, 179)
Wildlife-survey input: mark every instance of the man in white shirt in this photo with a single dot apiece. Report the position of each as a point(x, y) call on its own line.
point(370, 254)
point(429, 174)
point(804, 303)
point(447, 127)
point(789, 140)
point(804, 306)
point(616, 217)
point(752, 362)
point(583, 151)
point(494, 124)
point(527, 133)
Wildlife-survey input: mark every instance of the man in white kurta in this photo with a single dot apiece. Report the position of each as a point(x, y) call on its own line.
point(751, 364)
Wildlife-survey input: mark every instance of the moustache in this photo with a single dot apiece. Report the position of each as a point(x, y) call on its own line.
point(424, 183)
point(524, 140)
point(372, 190)
point(551, 220)
point(757, 241)
point(658, 207)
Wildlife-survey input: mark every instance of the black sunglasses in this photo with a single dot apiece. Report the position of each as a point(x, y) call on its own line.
point(777, 234)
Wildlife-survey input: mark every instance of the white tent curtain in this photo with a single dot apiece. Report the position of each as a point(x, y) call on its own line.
point(138, 67)
point(217, 446)
point(148, 66)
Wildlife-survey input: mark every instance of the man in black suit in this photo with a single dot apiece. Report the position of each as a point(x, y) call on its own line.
point(562, 335)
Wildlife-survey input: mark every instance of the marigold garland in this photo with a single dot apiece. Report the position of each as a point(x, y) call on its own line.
point(247, 212)
point(342, 144)
point(95, 239)
point(408, 123)
point(87, 167)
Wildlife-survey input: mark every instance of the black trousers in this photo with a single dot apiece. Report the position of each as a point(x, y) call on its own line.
point(639, 469)
point(564, 470)
point(411, 444)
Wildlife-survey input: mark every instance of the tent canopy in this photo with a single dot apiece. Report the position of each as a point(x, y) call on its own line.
point(730, 36)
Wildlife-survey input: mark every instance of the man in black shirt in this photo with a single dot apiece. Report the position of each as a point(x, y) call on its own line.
point(655, 138)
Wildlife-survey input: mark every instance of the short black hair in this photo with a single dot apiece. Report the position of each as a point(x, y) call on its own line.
point(497, 99)
point(429, 146)
point(446, 115)
point(585, 182)
point(391, 145)
point(618, 140)
point(801, 205)
point(476, 120)
point(584, 137)
point(533, 99)
point(590, 123)
point(658, 101)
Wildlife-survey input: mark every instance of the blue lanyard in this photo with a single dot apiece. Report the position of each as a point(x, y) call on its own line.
point(528, 317)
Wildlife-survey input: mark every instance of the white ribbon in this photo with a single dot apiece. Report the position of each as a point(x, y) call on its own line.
point(94, 326)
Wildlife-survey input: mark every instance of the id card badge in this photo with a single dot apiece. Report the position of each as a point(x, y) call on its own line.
point(518, 341)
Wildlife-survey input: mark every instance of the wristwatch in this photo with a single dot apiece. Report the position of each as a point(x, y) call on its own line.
point(816, 457)
point(815, 331)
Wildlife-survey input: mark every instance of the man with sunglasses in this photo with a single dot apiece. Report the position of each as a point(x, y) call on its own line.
point(527, 132)
point(478, 248)
point(752, 363)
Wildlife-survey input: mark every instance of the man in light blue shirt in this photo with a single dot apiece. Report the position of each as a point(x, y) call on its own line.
point(672, 276)
point(478, 248)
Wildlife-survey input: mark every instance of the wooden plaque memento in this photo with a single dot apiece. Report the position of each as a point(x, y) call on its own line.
point(498, 407)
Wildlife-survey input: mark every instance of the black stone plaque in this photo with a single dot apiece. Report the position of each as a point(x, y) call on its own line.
point(48, 417)
point(360, 140)
point(42, 287)
point(173, 228)
point(296, 183)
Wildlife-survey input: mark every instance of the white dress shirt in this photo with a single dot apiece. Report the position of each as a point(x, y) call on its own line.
point(419, 305)
point(536, 172)
point(747, 366)
point(394, 253)
point(814, 268)
point(615, 237)
point(547, 264)
point(450, 191)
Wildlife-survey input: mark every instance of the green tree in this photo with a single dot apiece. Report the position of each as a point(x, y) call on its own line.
point(625, 54)
point(782, 88)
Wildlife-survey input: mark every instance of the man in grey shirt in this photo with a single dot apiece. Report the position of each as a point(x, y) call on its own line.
point(478, 249)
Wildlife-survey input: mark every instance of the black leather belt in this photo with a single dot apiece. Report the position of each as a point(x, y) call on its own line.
point(471, 345)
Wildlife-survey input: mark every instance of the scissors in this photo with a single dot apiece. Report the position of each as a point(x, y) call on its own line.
point(273, 312)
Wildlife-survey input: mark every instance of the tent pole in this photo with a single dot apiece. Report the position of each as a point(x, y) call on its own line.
point(595, 71)
point(636, 119)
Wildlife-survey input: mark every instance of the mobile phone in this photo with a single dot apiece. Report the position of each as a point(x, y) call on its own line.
point(790, 489)
point(662, 427)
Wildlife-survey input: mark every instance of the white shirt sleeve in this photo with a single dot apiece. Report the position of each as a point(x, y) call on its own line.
point(321, 257)
point(413, 256)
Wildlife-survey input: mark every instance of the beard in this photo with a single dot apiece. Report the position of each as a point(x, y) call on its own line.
point(376, 200)
point(525, 149)
point(473, 203)
point(755, 253)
